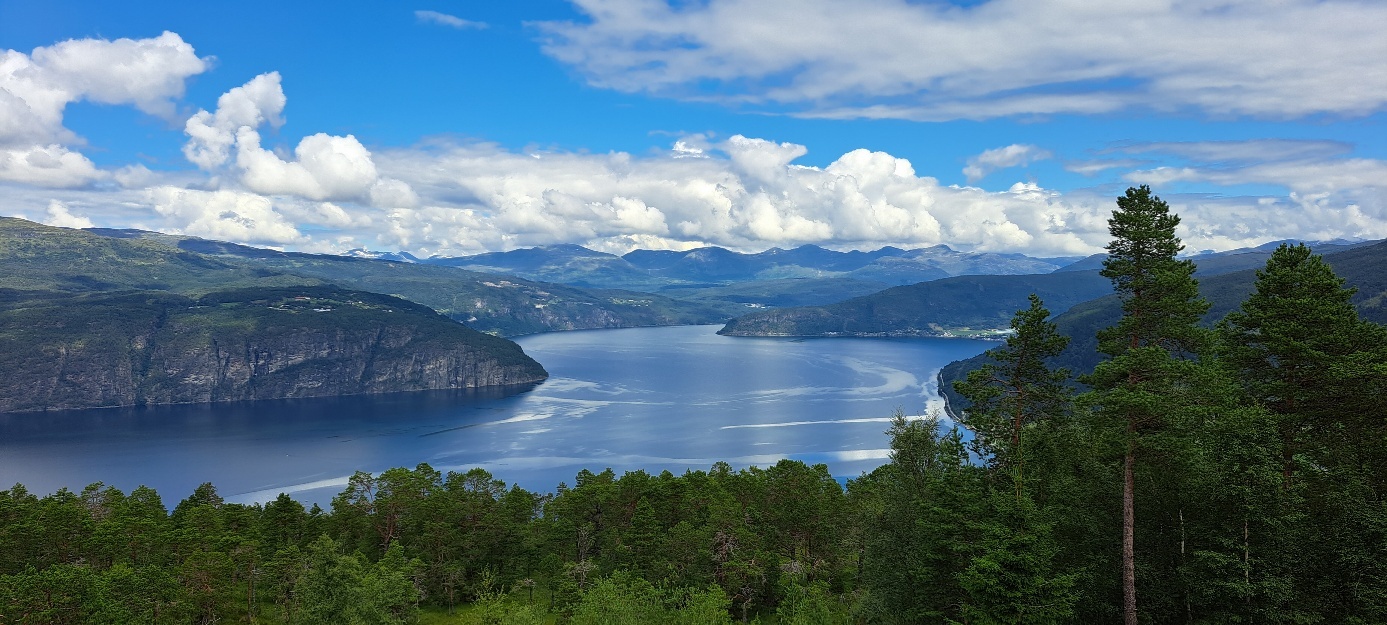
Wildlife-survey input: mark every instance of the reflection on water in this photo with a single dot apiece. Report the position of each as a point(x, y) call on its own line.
point(651, 398)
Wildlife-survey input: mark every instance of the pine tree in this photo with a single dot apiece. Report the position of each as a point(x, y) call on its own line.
point(1012, 576)
point(1015, 389)
point(1286, 339)
point(1301, 352)
point(1161, 307)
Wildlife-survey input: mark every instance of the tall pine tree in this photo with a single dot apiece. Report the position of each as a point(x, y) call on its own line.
point(1285, 342)
point(1012, 574)
point(1301, 352)
point(1161, 307)
point(1015, 389)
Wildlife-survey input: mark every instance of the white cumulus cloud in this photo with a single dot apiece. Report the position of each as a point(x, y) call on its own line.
point(35, 88)
point(59, 215)
point(325, 167)
point(746, 193)
point(223, 215)
point(47, 166)
point(36, 149)
point(212, 135)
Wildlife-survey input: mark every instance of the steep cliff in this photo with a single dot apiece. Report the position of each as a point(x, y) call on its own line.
point(131, 348)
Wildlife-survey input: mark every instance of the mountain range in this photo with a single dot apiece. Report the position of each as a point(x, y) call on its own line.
point(653, 270)
point(498, 304)
point(967, 304)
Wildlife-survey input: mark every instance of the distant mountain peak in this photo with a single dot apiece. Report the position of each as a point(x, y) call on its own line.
point(400, 257)
point(571, 248)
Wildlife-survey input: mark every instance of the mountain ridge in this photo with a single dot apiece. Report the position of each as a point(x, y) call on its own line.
point(948, 306)
point(712, 266)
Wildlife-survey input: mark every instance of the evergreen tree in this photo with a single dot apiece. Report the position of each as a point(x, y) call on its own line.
point(1161, 307)
point(1286, 340)
point(1015, 389)
point(1300, 352)
point(1013, 576)
point(919, 541)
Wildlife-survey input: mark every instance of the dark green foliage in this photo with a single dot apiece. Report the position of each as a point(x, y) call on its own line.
point(1140, 388)
point(335, 588)
point(1160, 297)
point(919, 540)
point(1287, 337)
point(1014, 574)
point(1015, 389)
point(1301, 353)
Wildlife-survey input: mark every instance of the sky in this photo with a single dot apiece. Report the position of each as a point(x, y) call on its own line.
point(459, 127)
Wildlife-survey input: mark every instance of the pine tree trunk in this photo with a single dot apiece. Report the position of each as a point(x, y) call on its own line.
point(1129, 522)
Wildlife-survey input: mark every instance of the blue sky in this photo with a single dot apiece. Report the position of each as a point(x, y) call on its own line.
point(460, 127)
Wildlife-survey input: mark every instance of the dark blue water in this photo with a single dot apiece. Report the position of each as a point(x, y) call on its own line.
point(646, 398)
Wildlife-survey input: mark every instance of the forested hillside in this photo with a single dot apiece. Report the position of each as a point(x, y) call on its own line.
point(925, 309)
point(946, 306)
point(500, 304)
point(129, 318)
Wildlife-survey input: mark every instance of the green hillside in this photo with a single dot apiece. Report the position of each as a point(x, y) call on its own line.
point(952, 306)
point(38, 257)
point(499, 304)
point(934, 308)
point(779, 293)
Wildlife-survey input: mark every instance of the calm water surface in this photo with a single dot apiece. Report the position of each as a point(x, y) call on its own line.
point(645, 398)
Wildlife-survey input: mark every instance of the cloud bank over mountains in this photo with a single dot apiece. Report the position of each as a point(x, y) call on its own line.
point(445, 196)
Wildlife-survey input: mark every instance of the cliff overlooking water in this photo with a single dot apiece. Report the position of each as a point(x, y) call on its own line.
point(62, 351)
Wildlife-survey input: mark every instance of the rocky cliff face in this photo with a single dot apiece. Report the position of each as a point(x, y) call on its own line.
point(310, 363)
point(136, 349)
